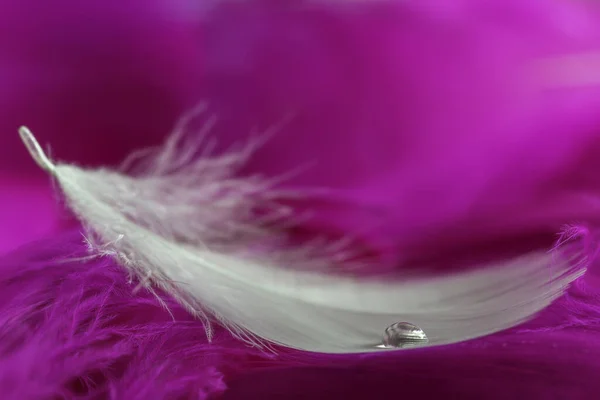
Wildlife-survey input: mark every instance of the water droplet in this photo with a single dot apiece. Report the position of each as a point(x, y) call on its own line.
point(403, 335)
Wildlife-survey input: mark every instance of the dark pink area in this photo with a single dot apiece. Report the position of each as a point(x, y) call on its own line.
point(28, 210)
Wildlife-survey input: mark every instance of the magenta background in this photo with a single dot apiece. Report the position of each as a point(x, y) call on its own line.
point(426, 122)
point(94, 81)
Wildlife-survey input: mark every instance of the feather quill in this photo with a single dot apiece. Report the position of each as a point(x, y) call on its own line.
point(186, 227)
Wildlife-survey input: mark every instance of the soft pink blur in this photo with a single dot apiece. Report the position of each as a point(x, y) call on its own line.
point(93, 80)
point(431, 126)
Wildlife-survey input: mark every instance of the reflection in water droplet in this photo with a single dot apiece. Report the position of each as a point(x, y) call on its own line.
point(403, 335)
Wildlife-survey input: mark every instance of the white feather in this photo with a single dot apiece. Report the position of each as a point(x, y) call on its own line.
point(187, 226)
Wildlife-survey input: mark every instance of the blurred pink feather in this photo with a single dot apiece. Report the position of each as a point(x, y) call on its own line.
point(426, 129)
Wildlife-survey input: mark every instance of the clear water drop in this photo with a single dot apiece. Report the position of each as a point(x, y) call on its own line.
point(403, 335)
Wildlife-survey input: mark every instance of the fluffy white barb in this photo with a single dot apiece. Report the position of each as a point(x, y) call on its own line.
point(188, 226)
